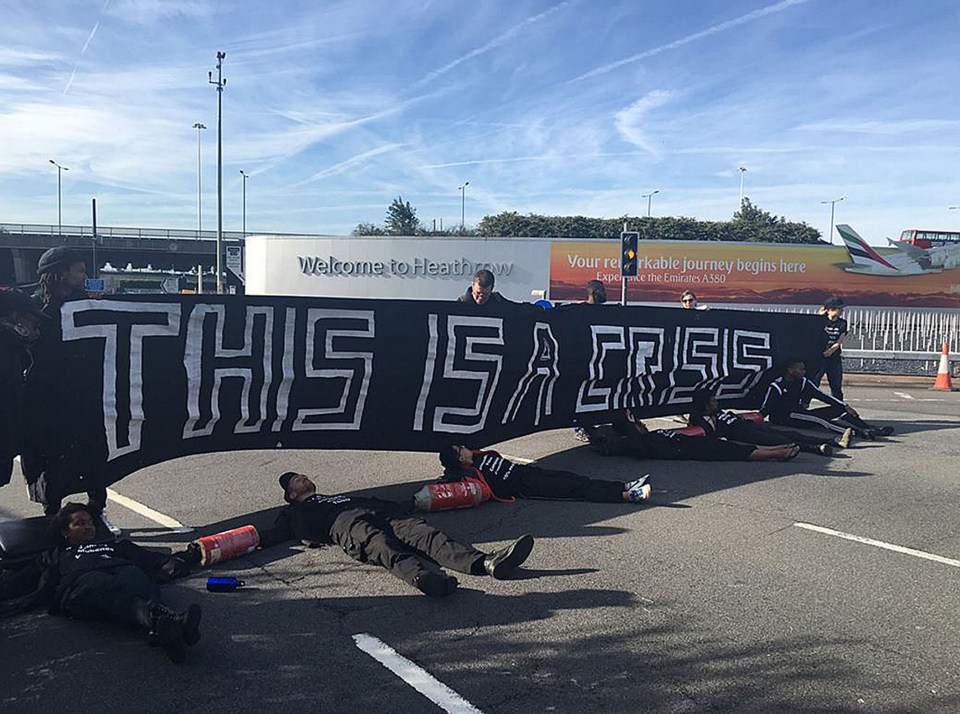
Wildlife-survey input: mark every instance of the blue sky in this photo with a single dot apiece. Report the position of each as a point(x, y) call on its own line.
point(571, 107)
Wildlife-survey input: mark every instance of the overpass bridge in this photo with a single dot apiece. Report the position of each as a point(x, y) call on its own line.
point(22, 244)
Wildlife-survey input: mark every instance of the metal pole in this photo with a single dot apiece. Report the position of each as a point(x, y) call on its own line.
point(220, 84)
point(60, 169)
point(463, 193)
point(199, 127)
point(96, 265)
point(245, 177)
point(833, 204)
point(742, 172)
point(649, 197)
point(623, 278)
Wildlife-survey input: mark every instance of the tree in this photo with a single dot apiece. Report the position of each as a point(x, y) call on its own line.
point(402, 218)
point(368, 229)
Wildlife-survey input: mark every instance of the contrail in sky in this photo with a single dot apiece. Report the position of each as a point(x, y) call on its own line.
point(86, 44)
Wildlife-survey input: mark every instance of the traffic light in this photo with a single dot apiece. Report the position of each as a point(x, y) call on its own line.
point(629, 262)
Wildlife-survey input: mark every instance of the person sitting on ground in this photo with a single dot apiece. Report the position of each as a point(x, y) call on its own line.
point(785, 396)
point(88, 578)
point(481, 292)
point(380, 532)
point(718, 422)
point(508, 480)
point(630, 437)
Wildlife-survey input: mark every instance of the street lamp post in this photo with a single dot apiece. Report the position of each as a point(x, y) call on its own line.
point(833, 205)
point(220, 83)
point(245, 177)
point(742, 172)
point(463, 193)
point(60, 170)
point(199, 127)
point(649, 197)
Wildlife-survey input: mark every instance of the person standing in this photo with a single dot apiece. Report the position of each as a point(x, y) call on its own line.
point(596, 293)
point(834, 332)
point(481, 292)
point(688, 301)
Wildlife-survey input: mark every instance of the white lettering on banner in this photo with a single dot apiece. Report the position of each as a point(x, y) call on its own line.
point(592, 397)
point(420, 267)
point(283, 392)
point(464, 335)
point(713, 355)
point(542, 364)
point(243, 365)
point(349, 405)
point(147, 315)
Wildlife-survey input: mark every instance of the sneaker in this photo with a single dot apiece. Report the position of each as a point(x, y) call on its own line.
point(844, 441)
point(115, 530)
point(502, 562)
point(885, 430)
point(825, 450)
point(580, 434)
point(435, 583)
point(639, 490)
point(870, 434)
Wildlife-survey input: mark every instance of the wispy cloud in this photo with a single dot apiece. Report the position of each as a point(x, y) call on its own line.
point(886, 128)
point(721, 27)
point(630, 121)
point(86, 44)
point(497, 41)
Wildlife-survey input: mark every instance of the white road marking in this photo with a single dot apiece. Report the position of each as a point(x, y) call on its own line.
point(880, 544)
point(147, 512)
point(903, 395)
point(417, 677)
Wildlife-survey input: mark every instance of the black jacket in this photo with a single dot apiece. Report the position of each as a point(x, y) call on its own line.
point(46, 578)
point(784, 397)
point(14, 362)
point(311, 519)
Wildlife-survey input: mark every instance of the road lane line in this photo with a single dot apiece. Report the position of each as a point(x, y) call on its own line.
point(418, 678)
point(155, 516)
point(880, 544)
point(903, 395)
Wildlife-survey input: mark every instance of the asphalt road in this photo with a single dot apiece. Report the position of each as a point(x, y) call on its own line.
point(711, 598)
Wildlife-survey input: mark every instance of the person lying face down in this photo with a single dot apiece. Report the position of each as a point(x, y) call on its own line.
point(508, 480)
point(631, 437)
point(380, 532)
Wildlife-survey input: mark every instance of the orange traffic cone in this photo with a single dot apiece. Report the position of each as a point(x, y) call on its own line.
point(943, 372)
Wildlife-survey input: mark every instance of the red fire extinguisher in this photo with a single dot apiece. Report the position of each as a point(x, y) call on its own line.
point(229, 544)
point(445, 495)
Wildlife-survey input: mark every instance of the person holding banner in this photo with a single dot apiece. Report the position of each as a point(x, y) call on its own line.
point(481, 292)
point(714, 421)
point(783, 405)
point(508, 480)
point(371, 530)
point(631, 437)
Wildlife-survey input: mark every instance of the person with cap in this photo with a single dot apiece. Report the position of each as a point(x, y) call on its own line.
point(380, 532)
point(707, 414)
point(20, 321)
point(62, 271)
point(88, 577)
point(508, 480)
point(834, 331)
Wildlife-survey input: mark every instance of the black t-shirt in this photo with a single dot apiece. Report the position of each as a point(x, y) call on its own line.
point(833, 330)
point(312, 518)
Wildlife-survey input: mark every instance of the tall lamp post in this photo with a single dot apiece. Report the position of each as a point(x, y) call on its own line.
point(220, 83)
point(245, 177)
point(463, 193)
point(649, 197)
point(60, 170)
point(742, 172)
point(199, 127)
point(833, 205)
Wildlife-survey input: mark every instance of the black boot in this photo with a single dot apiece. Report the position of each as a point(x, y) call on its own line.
point(166, 630)
point(501, 563)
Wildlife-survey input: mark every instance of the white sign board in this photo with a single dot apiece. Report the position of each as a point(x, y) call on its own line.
point(388, 267)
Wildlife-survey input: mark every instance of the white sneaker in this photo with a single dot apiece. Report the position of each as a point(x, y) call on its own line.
point(639, 490)
point(844, 441)
point(110, 525)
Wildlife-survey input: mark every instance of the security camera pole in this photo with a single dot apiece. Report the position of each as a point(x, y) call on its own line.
point(220, 84)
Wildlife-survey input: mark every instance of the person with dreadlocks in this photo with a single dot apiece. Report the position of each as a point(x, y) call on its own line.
point(63, 273)
point(88, 577)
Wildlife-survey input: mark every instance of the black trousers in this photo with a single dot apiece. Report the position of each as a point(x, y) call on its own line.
point(762, 435)
point(535, 482)
point(706, 448)
point(833, 368)
point(117, 594)
point(406, 546)
point(828, 417)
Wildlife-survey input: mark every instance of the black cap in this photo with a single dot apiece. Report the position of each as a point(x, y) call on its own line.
point(59, 258)
point(12, 300)
point(834, 303)
point(285, 479)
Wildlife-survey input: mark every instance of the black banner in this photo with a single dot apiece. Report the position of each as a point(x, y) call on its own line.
point(140, 380)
